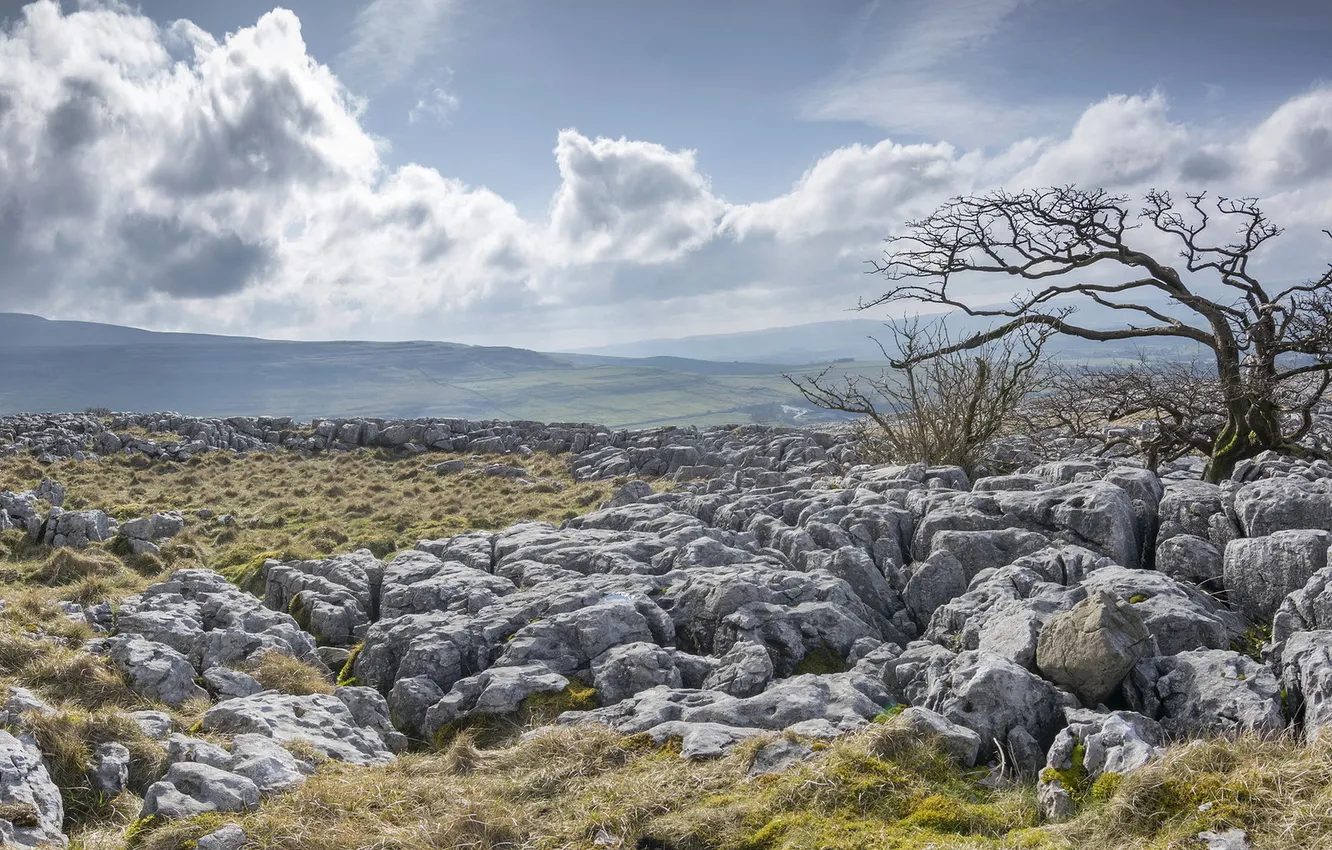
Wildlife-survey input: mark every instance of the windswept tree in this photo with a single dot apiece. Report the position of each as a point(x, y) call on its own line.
point(1270, 343)
point(940, 409)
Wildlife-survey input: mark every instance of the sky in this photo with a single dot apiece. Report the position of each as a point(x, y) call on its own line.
point(555, 175)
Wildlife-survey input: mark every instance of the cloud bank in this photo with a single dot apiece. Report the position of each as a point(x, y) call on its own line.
point(155, 175)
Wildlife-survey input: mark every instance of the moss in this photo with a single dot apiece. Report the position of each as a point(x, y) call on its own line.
point(544, 707)
point(138, 831)
point(1136, 598)
point(1074, 778)
point(1252, 641)
point(1106, 786)
point(299, 611)
point(949, 814)
point(889, 713)
point(248, 575)
point(346, 676)
point(822, 661)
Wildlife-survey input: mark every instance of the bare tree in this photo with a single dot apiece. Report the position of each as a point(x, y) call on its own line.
point(1175, 407)
point(939, 409)
point(1270, 345)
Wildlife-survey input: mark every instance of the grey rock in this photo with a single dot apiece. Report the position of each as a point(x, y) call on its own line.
point(992, 696)
point(189, 749)
point(109, 773)
point(191, 788)
point(1118, 742)
point(1306, 670)
point(229, 837)
point(1284, 504)
point(26, 786)
point(1193, 559)
point(744, 671)
point(334, 599)
point(154, 724)
point(1206, 692)
point(1093, 646)
point(320, 720)
point(778, 757)
point(265, 763)
point(226, 683)
point(987, 549)
point(627, 669)
point(156, 670)
point(1306, 609)
point(1231, 839)
point(19, 703)
point(370, 710)
point(1094, 515)
point(77, 529)
point(1259, 572)
point(629, 493)
point(935, 582)
point(701, 740)
point(499, 690)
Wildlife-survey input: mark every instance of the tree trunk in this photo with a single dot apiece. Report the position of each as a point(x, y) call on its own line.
point(1246, 434)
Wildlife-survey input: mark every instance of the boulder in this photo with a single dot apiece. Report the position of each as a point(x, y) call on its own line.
point(192, 788)
point(1094, 515)
point(1260, 571)
point(33, 809)
point(1207, 692)
point(499, 690)
point(155, 670)
point(627, 669)
point(1197, 560)
point(1284, 504)
point(1093, 646)
point(1306, 670)
point(1306, 609)
point(266, 763)
point(334, 599)
point(109, 773)
point(1119, 742)
point(995, 698)
point(744, 671)
point(320, 720)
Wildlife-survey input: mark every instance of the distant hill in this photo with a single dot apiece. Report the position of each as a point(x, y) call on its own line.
point(56, 366)
point(22, 329)
point(824, 342)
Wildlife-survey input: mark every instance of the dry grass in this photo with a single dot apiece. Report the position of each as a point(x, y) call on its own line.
point(279, 672)
point(879, 790)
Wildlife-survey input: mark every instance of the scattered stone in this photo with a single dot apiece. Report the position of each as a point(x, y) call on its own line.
point(192, 788)
point(1093, 646)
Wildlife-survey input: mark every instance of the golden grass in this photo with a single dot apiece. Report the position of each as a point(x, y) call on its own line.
point(279, 672)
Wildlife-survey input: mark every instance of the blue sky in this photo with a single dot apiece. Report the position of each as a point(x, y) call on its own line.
point(554, 174)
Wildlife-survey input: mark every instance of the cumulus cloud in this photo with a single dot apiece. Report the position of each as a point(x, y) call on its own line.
point(625, 200)
point(157, 175)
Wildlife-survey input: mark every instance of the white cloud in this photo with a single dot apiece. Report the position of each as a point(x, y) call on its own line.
point(390, 37)
point(155, 175)
point(437, 103)
point(629, 201)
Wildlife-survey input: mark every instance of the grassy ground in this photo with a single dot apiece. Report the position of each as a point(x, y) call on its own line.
point(282, 505)
point(588, 788)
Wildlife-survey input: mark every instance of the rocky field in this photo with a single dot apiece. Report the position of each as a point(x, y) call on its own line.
point(440, 633)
